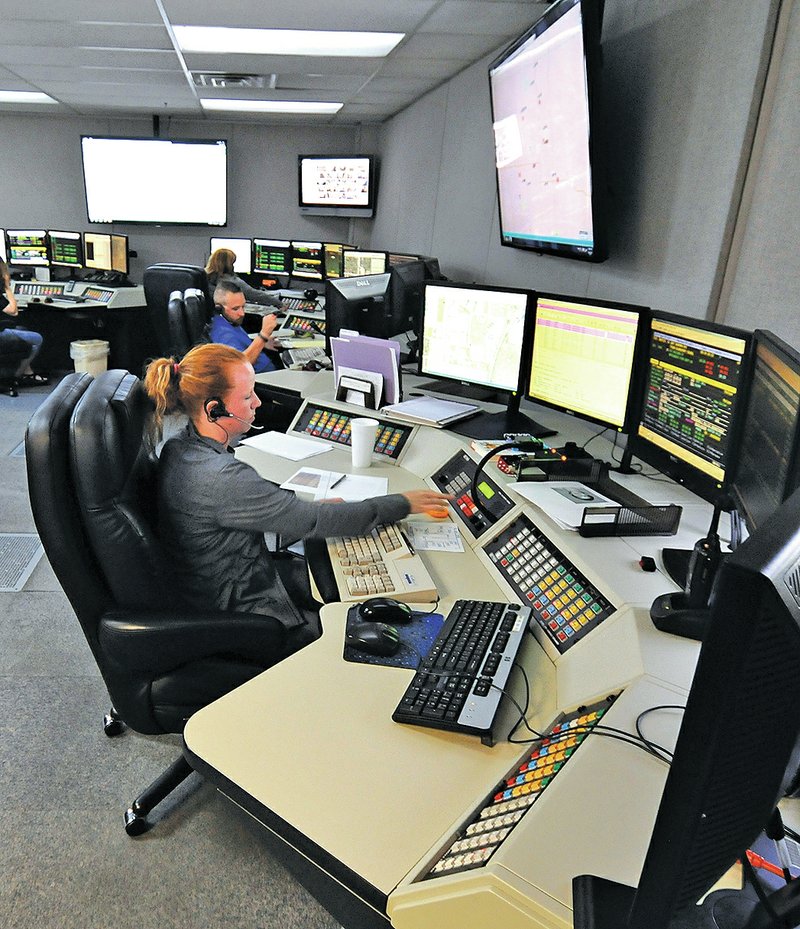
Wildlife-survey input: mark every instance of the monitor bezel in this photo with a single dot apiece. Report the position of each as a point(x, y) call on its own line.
point(233, 238)
point(314, 208)
point(682, 472)
point(524, 347)
point(263, 238)
point(45, 263)
point(378, 285)
point(156, 222)
point(64, 264)
point(591, 24)
point(642, 330)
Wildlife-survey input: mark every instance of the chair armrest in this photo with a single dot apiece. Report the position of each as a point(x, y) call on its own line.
point(159, 642)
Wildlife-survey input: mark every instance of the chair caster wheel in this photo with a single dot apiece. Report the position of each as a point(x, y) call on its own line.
point(135, 823)
point(112, 726)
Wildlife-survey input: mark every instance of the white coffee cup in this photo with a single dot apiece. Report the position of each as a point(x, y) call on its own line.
point(363, 432)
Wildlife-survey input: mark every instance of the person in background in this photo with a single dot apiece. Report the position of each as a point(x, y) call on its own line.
point(226, 327)
point(214, 509)
point(8, 304)
point(220, 268)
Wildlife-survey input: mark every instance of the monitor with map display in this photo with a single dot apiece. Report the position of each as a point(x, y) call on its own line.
point(545, 118)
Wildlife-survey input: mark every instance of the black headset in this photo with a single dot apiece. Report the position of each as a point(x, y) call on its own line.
point(219, 411)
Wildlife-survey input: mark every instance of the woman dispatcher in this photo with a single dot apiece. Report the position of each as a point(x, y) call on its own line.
point(214, 509)
point(220, 268)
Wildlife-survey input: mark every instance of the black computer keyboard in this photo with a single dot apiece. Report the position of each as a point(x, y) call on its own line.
point(460, 682)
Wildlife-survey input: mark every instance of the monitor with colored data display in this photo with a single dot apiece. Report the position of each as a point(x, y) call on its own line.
point(27, 247)
point(394, 258)
point(691, 404)
point(544, 91)
point(307, 260)
point(104, 252)
point(357, 263)
point(65, 249)
point(337, 185)
point(272, 256)
point(333, 259)
point(583, 357)
point(769, 450)
point(242, 248)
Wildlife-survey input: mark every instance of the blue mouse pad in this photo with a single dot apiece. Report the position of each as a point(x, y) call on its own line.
point(416, 639)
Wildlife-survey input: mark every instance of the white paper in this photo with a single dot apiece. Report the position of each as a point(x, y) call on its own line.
point(313, 481)
point(563, 501)
point(286, 446)
point(371, 376)
point(434, 537)
point(355, 487)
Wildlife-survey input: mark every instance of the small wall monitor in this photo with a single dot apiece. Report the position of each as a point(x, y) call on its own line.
point(333, 257)
point(242, 248)
point(272, 256)
point(769, 450)
point(548, 157)
point(583, 357)
point(691, 406)
point(307, 260)
point(337, 185)
point(65, 249)
point(357, 263)
point(27, 247)
point(155, 181)
point(104, 252)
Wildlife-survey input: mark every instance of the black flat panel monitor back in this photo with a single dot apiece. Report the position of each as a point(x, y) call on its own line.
point(583, 357)
point(737, 752)
point(362, 304)
point(692, 401)
point(769, 451)
point(548, 152)
point(272, 256)
point(407, 282)
point(27, 247)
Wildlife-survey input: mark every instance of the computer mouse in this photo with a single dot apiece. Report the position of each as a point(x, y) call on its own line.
point(384, 610)
point(373, 638)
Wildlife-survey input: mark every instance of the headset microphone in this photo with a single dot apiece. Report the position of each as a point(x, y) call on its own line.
point(220, 411)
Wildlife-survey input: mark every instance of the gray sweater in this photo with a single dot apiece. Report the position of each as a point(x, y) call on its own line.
point(213, 512)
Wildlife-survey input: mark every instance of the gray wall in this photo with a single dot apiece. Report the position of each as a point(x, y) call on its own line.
point(41, 185)
point(682, 80)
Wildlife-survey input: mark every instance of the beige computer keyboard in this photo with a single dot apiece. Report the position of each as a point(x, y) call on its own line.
point(380, 564)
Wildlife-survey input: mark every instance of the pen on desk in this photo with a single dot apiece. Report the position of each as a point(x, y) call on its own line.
point(758, 862)
point(338, 480)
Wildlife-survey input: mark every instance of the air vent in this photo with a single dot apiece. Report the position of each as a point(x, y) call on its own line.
point(228, 81)
point(792, 581)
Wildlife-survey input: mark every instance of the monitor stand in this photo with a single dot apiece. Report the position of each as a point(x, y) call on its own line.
point(467, 391)
point(496, 425)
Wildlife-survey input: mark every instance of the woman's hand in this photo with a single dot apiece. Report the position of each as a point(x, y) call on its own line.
point(428, 501)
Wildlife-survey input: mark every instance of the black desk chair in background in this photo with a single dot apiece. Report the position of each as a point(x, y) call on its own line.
point(91, 480)
point(160, 281)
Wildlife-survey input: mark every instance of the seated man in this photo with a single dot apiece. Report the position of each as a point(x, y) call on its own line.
point(226, 327)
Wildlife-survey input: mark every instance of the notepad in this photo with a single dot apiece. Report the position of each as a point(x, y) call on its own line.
point(286, 446)
point(431, 411)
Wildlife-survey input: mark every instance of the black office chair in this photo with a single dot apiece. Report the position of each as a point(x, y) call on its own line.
point(179, 343)
point(91, 481)
point(196, 316)
point(13, 351)
point(160, 281)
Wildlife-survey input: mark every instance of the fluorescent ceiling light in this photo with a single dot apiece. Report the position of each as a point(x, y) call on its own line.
point(270, 106)
point(226, 40)
point(24, 96)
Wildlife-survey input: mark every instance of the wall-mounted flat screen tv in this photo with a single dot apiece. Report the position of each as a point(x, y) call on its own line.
point(548, 156)
point(337, 185)
point(155, 181)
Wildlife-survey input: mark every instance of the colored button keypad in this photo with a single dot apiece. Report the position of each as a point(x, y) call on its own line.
point(515, 795)
point(334, 426)
point(565, 604)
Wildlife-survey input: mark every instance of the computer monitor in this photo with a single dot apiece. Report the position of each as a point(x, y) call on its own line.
point(272, 256)
point(65, 249)
point(333, 257)
point(242, 248)
point(393, 259)
point(27, 247)
point(407, 284)
point(768, 465)
point(583, 357)
point(307, 260)
point(473, 339)
point(691, 405)
point(362, 304)
point(357, 263)
point(104, 252)
point(337, 185)
point(737, 752)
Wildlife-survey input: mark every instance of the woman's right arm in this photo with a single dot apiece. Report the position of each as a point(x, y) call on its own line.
point(11, 308)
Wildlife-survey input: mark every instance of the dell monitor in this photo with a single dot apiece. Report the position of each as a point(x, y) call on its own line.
point(583, 358)
point(769, 450)
point(473, 341)
point(737, 752)
point(241, 248)
point(337, 185)
point(272, 256)
point(407, 282)
point(307, 261)
point(362, 304)
point(548, 156)
point(358, 264)
point(65, 249)
point(27, 247)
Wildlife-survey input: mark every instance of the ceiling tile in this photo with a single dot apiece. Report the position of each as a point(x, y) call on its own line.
point(447, 46)
point(478, 17)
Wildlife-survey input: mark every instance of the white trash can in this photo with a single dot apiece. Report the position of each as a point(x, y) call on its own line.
point(89, 355)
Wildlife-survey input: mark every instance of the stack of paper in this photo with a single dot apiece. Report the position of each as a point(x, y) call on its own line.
point(430, 411)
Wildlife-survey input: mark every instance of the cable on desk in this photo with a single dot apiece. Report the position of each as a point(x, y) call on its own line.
point(652, 709)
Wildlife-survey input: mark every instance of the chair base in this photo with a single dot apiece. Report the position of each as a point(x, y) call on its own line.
point(136, 815)
point(113, 723)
